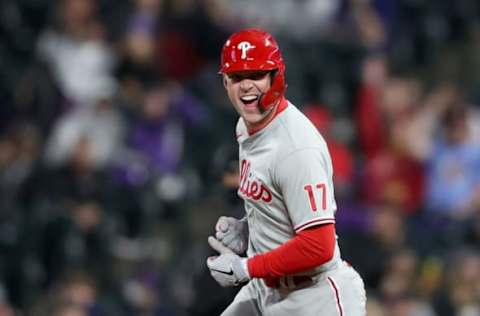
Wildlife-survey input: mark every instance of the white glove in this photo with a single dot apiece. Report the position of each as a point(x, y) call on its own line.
point(233, 233)
point(228, 269)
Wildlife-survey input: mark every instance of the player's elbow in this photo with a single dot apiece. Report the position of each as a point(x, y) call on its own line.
point(324, 253)
point(328, 242)
point(327, 255)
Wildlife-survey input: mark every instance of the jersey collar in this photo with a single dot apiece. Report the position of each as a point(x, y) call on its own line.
point(278, 109)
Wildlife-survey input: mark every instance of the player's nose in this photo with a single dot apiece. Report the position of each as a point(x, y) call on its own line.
point(246, 84)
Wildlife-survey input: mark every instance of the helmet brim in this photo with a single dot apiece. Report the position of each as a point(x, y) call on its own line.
point(248, 66)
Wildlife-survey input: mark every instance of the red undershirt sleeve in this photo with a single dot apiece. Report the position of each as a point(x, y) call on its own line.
point(308, 249)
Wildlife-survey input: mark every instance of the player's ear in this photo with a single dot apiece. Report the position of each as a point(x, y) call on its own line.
point(224, 80)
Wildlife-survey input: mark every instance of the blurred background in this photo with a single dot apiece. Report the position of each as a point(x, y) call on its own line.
point(117, 152)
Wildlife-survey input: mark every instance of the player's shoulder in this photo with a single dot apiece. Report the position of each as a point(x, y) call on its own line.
point(301, 146)
point(298, 132)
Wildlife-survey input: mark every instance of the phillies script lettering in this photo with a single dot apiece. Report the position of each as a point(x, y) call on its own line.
point(250, 187)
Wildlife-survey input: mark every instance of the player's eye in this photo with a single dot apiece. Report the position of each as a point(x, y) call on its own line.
point(235, 77)
point(258, 75)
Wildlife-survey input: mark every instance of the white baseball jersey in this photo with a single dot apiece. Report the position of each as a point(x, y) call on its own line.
point(286, 183)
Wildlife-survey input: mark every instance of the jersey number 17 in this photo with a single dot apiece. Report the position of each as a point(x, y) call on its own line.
point(322, 189)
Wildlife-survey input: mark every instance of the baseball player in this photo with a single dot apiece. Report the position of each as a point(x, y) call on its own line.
point(292, 264)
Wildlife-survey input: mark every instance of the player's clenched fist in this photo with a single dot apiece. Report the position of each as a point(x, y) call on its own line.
point(233, 233)
point(228, 269)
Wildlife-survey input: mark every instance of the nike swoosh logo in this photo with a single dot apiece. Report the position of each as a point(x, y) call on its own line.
point(227, 273)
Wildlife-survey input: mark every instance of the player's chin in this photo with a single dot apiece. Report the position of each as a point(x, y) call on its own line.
point(253, 118)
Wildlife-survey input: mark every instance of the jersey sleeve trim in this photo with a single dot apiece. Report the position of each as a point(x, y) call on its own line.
point(314, 222)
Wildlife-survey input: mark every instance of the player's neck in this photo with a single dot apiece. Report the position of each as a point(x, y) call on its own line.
point(277, 109)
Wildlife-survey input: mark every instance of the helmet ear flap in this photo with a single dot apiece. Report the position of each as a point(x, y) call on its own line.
point(276, 91)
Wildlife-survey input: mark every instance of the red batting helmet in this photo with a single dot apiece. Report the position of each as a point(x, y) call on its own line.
point(252, 50)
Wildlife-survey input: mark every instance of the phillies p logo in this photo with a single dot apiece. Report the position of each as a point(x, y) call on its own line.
point(244, 47)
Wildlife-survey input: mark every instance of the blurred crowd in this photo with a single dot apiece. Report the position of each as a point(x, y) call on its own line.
point(117, 152)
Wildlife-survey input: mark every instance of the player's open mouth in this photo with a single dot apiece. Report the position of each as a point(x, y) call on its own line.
point(249, 100)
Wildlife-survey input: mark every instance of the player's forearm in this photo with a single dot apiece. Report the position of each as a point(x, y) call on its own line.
point(310, 248)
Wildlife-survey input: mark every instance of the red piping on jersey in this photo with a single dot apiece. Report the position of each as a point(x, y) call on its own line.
point(308, 249)
point(279, 109)
point(315, 222)
point(337, 295)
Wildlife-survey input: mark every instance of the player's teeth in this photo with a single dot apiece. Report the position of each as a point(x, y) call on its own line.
point(249, 98)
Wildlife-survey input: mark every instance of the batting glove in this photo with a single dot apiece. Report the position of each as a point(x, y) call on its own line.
point(233, 233)
point(228, 269)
